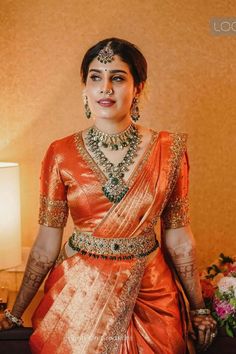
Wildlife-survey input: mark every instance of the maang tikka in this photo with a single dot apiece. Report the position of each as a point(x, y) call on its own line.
point(135, 110)
point(86, 107)
point(106, 54)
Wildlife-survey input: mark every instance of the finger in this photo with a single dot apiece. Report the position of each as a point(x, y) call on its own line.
point(2, 325)
point(201, 321)
point(212, 323)
point(206, 323)
point(201, 337)
point(208, 339)
point(6, 324)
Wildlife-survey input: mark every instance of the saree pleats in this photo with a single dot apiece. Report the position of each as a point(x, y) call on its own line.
point(113, 312)
point(92, 318)
point(157, 303)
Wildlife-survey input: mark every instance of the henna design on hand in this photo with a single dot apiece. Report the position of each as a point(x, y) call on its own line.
point(206, 330)
point(184, 260)
point(38, 266)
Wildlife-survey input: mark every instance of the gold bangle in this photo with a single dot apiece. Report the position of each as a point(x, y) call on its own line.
point(17, 321)
point(200, 312)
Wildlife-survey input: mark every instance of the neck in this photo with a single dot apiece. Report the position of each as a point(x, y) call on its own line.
point(112, 127)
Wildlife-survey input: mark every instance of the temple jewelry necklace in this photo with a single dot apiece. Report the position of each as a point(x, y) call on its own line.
point(113, 141)
point(115, 188)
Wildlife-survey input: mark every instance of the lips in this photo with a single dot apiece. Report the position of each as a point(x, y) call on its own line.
point(106, 102)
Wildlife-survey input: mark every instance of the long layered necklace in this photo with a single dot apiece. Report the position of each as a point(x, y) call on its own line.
point(115, 188)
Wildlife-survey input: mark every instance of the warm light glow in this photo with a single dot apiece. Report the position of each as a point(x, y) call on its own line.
point(10, 227)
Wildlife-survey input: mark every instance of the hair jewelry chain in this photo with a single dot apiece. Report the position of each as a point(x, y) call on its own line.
point(106, 54)
point(115, 188)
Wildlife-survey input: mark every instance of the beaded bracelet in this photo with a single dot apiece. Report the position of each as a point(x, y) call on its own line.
point(200, 312)
point(13, 319)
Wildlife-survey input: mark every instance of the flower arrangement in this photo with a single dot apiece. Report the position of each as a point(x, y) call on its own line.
point(219, 291)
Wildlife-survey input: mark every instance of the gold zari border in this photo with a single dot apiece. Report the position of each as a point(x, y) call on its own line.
point(128, 296)
point(178, 147)
point(52, 213)
point(177, 214)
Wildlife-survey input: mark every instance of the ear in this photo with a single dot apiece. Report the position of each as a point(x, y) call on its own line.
point(84, 92)
point(138, 89)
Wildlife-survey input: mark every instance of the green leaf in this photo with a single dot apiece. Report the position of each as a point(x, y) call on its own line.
point(229, 330)
point(225, 259)
point(216, 268)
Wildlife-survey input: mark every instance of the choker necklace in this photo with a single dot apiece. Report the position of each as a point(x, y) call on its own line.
point(113, 141)
point(115, 188)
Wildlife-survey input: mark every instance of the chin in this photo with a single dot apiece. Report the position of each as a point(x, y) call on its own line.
point(105, 116)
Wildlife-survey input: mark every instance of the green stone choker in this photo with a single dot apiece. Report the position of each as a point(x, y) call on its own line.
point(113, 141)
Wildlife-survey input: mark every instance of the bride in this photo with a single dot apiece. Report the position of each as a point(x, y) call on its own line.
point(112, 288)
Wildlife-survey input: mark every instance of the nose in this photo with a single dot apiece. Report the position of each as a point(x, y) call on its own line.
point(106, 86)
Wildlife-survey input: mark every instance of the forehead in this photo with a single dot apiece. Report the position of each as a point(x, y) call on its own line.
point(116, 64)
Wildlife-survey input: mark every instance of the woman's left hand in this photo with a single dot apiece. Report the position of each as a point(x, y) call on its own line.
point(205, 329)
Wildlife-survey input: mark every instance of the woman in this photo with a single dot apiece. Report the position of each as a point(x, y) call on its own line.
point(110, 289)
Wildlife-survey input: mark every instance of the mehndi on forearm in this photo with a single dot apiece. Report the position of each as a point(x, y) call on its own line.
point(184, 259)
point(38, 265)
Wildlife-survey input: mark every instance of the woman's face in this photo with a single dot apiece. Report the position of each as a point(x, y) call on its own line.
point(115, 76)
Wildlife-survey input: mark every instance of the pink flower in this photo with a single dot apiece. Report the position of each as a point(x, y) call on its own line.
point(222, 308)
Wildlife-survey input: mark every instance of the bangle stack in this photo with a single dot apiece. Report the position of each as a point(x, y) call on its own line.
point(201, 312)
point(17, 321)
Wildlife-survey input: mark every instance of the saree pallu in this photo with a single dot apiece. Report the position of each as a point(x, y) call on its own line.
point(123, 306)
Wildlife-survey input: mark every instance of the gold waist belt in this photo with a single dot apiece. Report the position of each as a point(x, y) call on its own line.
point(113, 248)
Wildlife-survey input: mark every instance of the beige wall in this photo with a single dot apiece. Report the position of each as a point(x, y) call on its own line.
point(191, 88)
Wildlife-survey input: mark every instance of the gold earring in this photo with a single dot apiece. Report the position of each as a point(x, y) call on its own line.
point(86, 107)
point(135, 110)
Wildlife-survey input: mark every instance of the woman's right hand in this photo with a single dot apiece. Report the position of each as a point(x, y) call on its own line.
point(205, 330)
point(5, 323)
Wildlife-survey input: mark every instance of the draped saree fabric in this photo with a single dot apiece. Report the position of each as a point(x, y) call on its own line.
point(123, 306)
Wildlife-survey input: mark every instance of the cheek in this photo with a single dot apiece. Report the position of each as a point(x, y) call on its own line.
point(127, 99)
point(127, 94)
point(90, 91)
point(92, 87)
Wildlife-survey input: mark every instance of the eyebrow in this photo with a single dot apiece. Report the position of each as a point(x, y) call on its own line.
point(111, 71)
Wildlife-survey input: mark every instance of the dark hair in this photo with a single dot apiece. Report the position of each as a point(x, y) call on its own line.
point(127, 51)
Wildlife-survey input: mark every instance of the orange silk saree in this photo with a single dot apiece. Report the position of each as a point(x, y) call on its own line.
point(124, 306)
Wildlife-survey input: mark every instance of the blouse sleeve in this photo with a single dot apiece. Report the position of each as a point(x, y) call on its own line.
point(176, 212)
point(53, 210)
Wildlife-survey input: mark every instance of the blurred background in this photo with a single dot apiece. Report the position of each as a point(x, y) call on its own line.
point(191, 88)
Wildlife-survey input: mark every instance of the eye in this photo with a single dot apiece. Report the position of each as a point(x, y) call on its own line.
point(118, 78)
point(95, 77)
